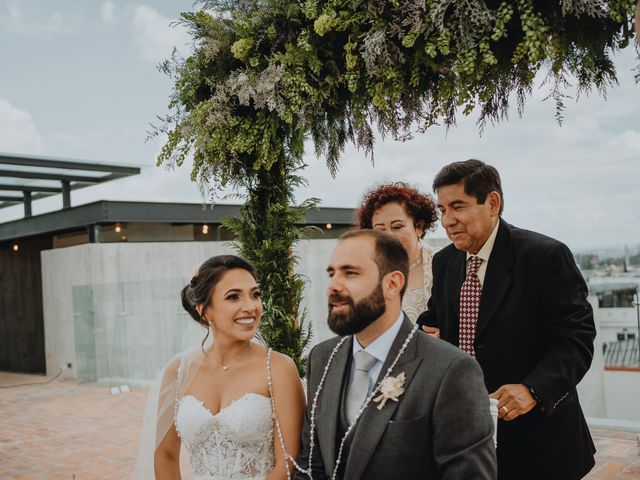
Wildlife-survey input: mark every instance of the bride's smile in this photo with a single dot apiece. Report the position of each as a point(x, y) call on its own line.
point(249, 321)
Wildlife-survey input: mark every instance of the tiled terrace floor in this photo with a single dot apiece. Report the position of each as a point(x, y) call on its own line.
point(63, 430)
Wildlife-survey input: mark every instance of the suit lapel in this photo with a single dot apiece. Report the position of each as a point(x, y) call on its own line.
point(497, 277)
point(453, 279)
point(373, 422)
point(330, 403)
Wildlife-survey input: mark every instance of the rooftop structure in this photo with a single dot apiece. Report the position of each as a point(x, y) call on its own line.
point(112, 221)
point(39, 177)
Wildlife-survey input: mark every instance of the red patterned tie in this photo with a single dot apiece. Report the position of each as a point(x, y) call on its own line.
point(469, 306)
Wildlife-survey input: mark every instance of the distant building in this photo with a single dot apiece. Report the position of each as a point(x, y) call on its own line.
point(131, 235)
point(611, 388)
point(63, 273)
point(617, 310)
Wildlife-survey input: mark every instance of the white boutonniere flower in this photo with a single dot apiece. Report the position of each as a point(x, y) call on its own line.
point(390, 389)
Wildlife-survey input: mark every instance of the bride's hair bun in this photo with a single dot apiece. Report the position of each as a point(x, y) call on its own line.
point(189, 304)
point(198, 291)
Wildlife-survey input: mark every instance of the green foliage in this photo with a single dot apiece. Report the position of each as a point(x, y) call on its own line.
point(265, 71)
point(267, 231)
point(266, 74)
point(241, 48)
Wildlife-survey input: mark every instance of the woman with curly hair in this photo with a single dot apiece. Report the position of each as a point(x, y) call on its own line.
point(407, 214)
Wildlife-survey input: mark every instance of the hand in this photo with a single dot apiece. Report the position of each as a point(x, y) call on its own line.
point(433, 331)
point(513, 400)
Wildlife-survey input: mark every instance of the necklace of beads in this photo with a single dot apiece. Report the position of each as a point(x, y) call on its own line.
point(374, 392)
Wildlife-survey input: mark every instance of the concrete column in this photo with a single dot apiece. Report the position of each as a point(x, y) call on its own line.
point(66, 194)
point(27, 203)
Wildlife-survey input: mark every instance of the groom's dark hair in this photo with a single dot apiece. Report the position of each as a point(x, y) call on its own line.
point(389, 254)
point(479, 179)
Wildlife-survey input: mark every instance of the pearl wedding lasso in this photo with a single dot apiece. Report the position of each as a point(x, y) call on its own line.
point(308, 471)
point(275, 416)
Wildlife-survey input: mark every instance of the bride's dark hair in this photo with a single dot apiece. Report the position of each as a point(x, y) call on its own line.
point(198, 290)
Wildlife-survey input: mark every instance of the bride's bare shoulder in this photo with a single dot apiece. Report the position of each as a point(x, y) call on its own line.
point(283, 364)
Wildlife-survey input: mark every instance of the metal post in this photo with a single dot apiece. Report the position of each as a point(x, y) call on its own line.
point(66, 194)
point(94, 234)
point(27, 203)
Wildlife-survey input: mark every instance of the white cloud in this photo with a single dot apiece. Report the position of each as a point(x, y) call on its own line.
point(18, 133)
point(15, 21)
point(630, 140)
point(78, 142)
point(154, 35)
point(108, 13)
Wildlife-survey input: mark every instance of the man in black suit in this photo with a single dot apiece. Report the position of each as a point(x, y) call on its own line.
point(515, 300)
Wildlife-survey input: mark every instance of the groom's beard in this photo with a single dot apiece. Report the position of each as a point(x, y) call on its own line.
point(359, 316)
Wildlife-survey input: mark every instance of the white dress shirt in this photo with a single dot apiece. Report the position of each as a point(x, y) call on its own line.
point(379, 348)
point(484, 254)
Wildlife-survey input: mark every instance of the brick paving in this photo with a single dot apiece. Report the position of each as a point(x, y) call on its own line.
point(69, 431)
point(618, 455)
point(65, 430)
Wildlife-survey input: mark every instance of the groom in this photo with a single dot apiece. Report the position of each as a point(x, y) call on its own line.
point(433, 420)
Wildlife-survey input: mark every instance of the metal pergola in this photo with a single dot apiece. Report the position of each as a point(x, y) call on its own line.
point(35, 177)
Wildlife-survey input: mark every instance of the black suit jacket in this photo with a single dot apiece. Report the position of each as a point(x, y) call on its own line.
point(535, 327)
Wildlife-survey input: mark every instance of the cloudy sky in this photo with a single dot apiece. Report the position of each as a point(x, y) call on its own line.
point(79, 81)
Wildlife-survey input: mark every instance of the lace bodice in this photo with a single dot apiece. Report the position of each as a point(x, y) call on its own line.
point(234, 444)
point(415, 301)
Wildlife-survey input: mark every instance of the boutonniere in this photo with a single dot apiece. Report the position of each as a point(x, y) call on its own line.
point(390, 389)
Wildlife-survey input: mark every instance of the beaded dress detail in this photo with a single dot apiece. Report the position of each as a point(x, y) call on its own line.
point(234, 444)
point(415, 301)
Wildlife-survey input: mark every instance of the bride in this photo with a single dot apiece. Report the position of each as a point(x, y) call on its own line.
point(235, 405)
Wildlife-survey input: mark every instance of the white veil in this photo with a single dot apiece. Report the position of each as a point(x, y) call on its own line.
point(162, 404)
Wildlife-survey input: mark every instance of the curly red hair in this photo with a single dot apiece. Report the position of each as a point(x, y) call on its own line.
point(419, 206)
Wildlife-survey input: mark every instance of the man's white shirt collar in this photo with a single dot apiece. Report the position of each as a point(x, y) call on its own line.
point(485, 251)
point(380, 347)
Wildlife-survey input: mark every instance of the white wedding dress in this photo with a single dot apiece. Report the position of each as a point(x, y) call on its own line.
point(234, 444)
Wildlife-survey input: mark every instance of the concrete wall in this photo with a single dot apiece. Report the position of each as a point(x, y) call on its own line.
point(112, 311)
point(608, 393)
point(622, 394)
point(591, 388)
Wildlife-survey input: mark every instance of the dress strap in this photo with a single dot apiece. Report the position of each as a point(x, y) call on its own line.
point(182, 366)
point(287, 457)
point(269, 384)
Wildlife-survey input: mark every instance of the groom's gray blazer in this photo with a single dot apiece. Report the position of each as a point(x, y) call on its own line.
point(440, 428)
